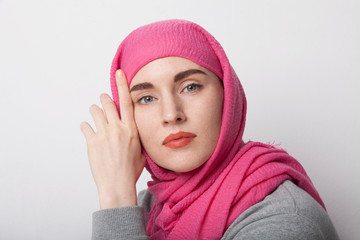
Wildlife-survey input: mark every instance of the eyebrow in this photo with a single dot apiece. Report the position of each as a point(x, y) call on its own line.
point(179, 76)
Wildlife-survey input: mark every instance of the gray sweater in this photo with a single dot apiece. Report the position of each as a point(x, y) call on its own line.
point(287, 213)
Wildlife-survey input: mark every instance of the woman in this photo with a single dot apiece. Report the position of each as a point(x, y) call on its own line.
point(183, 111)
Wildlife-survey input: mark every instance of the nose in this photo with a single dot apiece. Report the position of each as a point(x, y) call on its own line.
point(172, 110)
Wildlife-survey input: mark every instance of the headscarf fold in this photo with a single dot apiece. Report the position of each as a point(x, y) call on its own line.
point(202, 203)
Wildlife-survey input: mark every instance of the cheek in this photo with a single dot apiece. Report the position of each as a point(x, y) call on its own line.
point(218, 106)
point(208, 112)
point(145, 124)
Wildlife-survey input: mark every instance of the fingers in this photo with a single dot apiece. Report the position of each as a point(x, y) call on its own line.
point(87, 130)
point(109, 106)
point(110, 113)
point(99, 117)
point(125, 102)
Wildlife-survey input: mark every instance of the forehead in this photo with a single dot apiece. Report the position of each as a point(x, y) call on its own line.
point(166, 67)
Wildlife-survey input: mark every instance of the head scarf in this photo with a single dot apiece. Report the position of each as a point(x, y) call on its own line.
point(202, 203)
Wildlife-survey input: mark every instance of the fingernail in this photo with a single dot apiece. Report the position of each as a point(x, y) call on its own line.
point(119, 73)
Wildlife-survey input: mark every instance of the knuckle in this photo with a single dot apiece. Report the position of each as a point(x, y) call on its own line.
point(115, 132)
point(133, 134)
point(106, 105)
point(114, 126)
point(102, 136)
point(127, 102)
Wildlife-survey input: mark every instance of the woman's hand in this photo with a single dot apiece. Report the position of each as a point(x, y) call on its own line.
point(114, 151)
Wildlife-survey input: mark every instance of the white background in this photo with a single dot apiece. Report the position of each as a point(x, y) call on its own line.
point(299, 63)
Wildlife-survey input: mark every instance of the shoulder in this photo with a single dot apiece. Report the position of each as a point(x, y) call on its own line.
point(287, 213)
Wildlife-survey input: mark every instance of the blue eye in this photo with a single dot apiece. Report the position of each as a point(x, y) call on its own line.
point(146, 99)
point(191, 88)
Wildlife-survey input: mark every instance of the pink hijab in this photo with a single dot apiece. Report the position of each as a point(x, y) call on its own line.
point(203, 203)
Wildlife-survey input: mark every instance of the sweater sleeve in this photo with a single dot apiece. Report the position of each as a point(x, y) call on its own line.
point(288, 213)
point(122, 223)
point(280, 227)
point(119, 223)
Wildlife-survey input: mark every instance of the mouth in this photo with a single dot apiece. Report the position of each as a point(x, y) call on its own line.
point(178, 140)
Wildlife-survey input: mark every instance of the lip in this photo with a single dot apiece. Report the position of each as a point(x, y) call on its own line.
point(178, 140)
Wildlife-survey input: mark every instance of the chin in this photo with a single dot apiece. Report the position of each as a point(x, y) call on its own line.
point(181, 165)
point(180, 160)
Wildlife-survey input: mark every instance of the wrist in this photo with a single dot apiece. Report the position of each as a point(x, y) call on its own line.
point(117, 200)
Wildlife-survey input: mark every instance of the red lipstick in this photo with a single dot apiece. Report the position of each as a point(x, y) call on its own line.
point(178, 140)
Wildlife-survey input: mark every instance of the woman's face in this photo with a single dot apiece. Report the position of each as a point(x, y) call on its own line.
point(178, 111)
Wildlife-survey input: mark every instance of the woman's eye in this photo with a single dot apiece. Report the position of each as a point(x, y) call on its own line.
point(191, 88)
point(146, 99)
